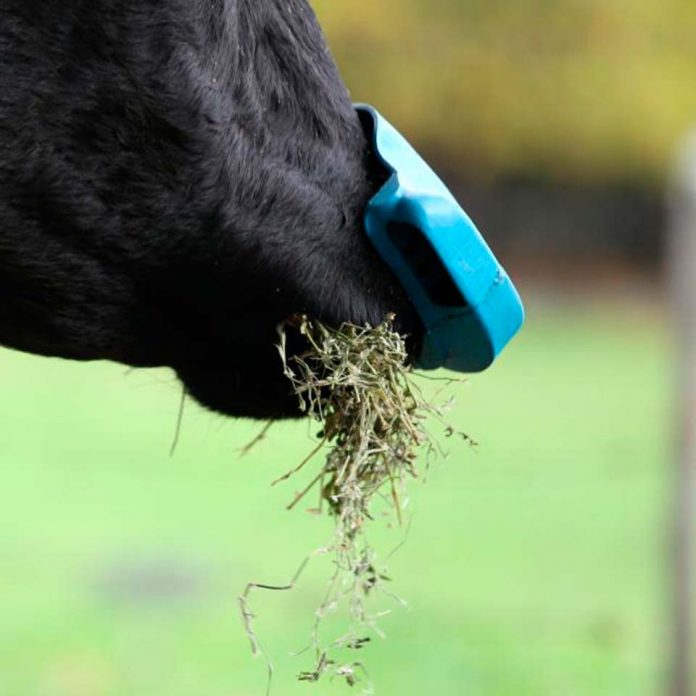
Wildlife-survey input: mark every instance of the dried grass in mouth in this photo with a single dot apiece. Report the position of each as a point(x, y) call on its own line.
point(356, 382)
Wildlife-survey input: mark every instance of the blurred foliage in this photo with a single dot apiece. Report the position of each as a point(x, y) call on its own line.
point(571, 90)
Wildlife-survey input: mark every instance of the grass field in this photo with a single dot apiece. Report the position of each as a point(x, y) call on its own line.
point(534, 566)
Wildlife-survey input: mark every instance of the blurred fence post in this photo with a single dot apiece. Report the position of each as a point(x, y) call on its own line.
point(682, 202)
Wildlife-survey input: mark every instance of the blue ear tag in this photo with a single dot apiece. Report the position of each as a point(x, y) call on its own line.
point(469, 307)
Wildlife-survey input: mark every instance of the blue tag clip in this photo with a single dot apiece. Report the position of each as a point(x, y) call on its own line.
point(468, 305)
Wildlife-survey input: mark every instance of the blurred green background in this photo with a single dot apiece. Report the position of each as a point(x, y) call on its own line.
point(536, 565)
point(573, 90)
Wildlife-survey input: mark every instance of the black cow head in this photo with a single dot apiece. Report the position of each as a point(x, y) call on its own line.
point(176, 179)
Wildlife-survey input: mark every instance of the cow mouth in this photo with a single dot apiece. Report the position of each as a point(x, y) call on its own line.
point(245, 378)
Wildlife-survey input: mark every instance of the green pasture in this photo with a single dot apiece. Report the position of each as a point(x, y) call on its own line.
point(534, 566)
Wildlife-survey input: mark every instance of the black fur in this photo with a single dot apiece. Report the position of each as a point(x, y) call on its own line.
point(176, 178)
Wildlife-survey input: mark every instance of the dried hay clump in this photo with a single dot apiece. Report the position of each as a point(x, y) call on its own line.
point(357, 383)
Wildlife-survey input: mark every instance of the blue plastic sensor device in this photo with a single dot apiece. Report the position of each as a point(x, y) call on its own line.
point(468, 305)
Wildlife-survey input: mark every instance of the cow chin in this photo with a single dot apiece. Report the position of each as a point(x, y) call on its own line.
point(243, 380)
point(243, 391)
point(244, 377)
